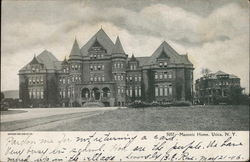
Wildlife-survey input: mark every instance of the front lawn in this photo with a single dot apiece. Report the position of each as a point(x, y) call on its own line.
point(191, 118)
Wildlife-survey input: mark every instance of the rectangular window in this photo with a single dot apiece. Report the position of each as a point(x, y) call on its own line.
point(156, 91)
point(166, 91)
point(139, 91)
point(165, 75)
point(170, 75)
point(41, 93)
point(160, 75)
point(139, 78)
point(135, 78)
point(103, 79)
point(130, 92)
point(161, 91)
point(118, 89)
point(156, 76)
point(170, 90)
point(136, 91)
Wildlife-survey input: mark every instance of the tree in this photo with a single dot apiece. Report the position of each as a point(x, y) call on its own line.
point(205, 71)
point(236, 97)
point(2, 96)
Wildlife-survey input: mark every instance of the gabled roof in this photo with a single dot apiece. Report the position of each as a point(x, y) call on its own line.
point(171, 53)
point(103, 39)
point(75, 51)
point(163, 55)
point(118, 46)
point(46, 58)
point(220, 73)
point(34, 60)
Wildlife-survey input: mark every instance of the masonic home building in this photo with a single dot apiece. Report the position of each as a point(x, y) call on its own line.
point(101, 73)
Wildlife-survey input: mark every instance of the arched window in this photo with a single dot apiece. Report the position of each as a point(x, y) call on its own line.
point(118, 76)
point(103, 79)
point(121, 77)
point(139, 78)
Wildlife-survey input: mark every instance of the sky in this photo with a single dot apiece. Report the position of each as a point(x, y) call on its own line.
point(214, 34)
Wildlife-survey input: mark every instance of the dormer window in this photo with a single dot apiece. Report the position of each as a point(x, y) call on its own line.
point(161, 64)
point(165, 63)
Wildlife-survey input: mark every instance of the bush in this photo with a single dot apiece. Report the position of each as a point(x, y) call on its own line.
point(182, 103)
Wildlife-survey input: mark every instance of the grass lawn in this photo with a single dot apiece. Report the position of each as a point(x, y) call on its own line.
point(220, 118)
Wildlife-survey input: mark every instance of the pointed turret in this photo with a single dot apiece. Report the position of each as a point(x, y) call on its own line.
point(118, 49)
point(65, 61)
point(34, 60)
point(75, 51)
point(133, 58)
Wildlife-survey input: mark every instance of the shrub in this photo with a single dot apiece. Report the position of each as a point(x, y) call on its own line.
point(182, 103)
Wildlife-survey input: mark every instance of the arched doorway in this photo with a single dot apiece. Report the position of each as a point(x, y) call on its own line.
point(96, 93)
point(106, 92)
point(85, 93)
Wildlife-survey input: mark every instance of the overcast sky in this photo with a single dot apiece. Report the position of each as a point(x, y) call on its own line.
point(215, 34)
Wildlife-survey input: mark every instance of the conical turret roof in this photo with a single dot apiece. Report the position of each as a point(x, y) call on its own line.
point(65, 61)
point(118, 46)
point(133, 58)
point(75, 51)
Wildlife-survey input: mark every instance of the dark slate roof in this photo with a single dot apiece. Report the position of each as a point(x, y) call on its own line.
point(102, 38)
point(118, 46)
point(143, 61)
point(132, 58)
point(65, 61)
point(171, 53)
point(75, 51)
point(46, 58)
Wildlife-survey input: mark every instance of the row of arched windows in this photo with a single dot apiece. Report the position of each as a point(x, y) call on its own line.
point(36, 80)
point(118, 65)
point(68, 80)
point(96, 67)
point(136, 78)
point(118, 77)
point(163, 90)
point(36, 93)
point(97, 78)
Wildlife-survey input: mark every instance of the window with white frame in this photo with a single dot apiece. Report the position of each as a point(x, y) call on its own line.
point(161, 90)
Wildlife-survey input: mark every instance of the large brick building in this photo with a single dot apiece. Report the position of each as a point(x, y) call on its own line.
point(215, 87)
point(100, 72)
